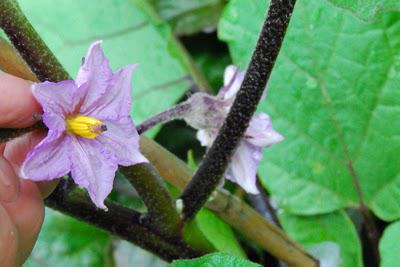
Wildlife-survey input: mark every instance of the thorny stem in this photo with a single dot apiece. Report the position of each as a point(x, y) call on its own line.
point(172, 113)
point(120, 221)
point(216, 160)
point(46, 67)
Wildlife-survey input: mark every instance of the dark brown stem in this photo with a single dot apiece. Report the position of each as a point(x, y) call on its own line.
point(120, 221)
point(213, 166)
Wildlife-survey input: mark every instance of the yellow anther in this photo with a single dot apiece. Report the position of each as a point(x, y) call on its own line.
point(85, 126)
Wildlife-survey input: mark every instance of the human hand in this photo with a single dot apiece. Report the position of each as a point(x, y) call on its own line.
point(21, 201)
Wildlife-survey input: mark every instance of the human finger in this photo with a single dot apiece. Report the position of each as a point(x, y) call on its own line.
point(17, 103)
point(27, 214)
point(8, 239)
point(9, 181)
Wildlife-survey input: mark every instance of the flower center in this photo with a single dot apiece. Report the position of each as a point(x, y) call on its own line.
point(85, 126)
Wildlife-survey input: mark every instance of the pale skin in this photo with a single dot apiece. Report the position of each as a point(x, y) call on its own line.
point(21, 201)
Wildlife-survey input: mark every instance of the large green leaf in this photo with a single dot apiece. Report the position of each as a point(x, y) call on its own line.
point(367, 9)
point(334, 94)
point(130, 33)
point(215, 260)
point(188, 17)
point(389, 247)
point(335, 227)
point(64, 241)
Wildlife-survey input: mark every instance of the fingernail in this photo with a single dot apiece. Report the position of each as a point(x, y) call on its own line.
point(9, 182)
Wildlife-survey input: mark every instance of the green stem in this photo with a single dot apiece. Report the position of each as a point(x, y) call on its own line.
point(160, 205)
point(29, 44)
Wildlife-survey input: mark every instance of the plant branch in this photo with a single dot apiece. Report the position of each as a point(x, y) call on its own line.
point(217, 159)
point(29, 44)
point(172, 113)
point(230, 209)
point(160, 205)
point(120, 221)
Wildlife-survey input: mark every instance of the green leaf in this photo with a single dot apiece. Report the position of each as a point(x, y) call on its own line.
point(131, 34)
point(189, 17)
point(389, 247)
point(367, 9)
point(336, 227)
point(215, 259)
point(218, 233)
point(334, 95)
point(64, 241)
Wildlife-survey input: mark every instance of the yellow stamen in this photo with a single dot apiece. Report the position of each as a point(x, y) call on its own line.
point(85, 126)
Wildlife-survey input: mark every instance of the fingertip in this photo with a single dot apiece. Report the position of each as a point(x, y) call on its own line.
point(17, 103)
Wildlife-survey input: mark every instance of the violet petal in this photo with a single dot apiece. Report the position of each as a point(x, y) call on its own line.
point(260, 131)
point(116, 101)
point(57, 100)
point(122, 139)
point(96, 73)
point(93, 168)
point(50, 159)
point(243, 167)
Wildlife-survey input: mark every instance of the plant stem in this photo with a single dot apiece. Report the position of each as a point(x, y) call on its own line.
point(172, 113)
point(160, 205)
point(217, 159)
point(120, 221)
point(29, 44)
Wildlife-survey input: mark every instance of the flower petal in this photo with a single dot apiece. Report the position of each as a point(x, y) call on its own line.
point(116, 100)
point(57, 100)
point(205, 137)
point(243, 167)
point(233, 79)
point(260, 131)
point(122, 140)
point(95, 72)
point(93, 168)
point(50, 158)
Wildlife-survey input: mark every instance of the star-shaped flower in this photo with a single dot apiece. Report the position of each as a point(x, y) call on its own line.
point(208, 114)
point(90, 130)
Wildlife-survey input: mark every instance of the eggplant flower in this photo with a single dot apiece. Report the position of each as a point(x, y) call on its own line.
point(90, 130)
point(208, 114)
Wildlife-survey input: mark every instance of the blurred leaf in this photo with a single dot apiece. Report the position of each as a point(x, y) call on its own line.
point(335, 227)
point(334, 96)
point(215, 259)
point(218, 233)
point(389, 246)
point(367, 9)
point(64, 241)
point(131, 34)
point(188, 17)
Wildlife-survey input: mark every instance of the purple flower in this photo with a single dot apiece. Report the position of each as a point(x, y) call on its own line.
point(208, 114)
point(90, 130)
